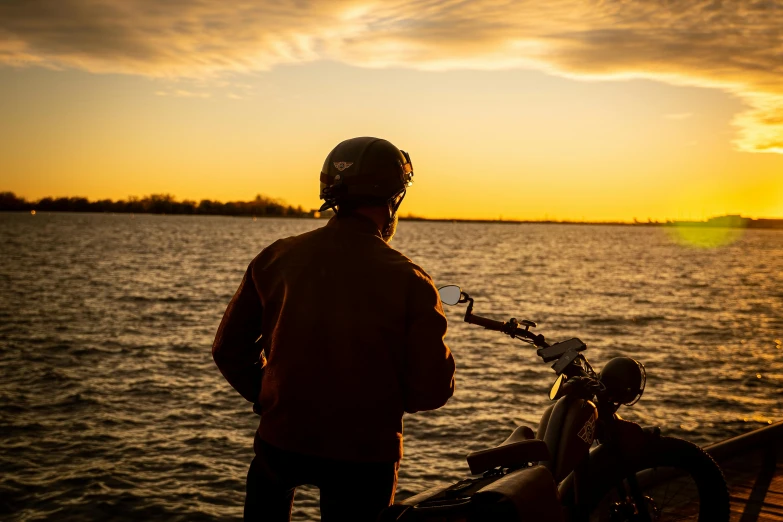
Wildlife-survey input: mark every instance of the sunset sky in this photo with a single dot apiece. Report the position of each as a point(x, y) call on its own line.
point(564, 109)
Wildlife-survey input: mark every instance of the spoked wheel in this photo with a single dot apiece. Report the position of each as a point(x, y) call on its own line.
point(674, 481)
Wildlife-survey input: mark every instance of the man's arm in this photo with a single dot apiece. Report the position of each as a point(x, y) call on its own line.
point(429, 365)
point(235, 350)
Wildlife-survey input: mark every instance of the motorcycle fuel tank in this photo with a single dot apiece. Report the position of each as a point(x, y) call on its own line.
point(568, 428)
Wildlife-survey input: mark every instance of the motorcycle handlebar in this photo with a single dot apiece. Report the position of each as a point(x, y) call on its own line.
point(489, 324)
point(507, 328)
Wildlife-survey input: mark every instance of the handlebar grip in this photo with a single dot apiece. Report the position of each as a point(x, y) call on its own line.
point(489, 324)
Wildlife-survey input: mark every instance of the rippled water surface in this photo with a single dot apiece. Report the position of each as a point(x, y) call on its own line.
point(111, 406)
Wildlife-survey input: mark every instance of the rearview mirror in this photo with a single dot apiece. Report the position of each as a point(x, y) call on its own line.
point(450, 294)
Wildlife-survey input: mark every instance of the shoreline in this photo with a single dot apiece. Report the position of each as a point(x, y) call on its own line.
point(718, 222)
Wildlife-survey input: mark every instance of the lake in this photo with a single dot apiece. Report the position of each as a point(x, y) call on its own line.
point(111, 405)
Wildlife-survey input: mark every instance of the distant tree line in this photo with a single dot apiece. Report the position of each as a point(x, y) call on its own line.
point(261, 206)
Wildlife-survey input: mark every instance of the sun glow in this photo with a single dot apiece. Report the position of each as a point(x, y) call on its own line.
point(563, 110)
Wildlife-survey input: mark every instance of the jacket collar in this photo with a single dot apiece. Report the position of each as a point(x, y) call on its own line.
point(355, 223)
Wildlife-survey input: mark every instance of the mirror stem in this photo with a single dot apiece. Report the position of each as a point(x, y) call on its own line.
point(469, 300)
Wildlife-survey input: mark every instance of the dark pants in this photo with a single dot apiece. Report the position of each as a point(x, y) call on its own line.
point(349, 490)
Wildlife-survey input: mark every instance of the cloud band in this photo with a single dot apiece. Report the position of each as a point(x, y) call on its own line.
point(734, 45)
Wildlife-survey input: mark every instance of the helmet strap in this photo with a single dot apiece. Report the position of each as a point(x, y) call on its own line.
point(393, 207)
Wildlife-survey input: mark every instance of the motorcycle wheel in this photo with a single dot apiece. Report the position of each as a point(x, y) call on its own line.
point(678, 481)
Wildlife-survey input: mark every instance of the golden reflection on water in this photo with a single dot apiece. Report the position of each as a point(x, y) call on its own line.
point(114, 382)
point(704, 237)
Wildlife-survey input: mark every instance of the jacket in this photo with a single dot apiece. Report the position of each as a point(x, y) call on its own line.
point(346, 333)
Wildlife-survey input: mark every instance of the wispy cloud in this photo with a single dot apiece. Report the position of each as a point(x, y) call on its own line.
point(734, 45)
point(678, 116)
point(181, 93)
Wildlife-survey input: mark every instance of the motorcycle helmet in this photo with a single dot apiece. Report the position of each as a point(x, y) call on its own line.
point(624, 379)
point(365, 171)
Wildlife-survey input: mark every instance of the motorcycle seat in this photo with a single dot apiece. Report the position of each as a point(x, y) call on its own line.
point(517, 450)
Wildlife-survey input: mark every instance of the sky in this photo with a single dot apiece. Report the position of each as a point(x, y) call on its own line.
point(566, 109)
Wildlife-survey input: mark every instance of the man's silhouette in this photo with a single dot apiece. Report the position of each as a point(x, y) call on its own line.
point(334, 335)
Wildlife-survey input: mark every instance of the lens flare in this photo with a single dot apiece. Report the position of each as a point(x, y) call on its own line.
point(703, 236)
point(715, 232)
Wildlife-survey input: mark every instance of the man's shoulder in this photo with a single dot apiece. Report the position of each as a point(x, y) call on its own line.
point(291, 241)
point(406, 265)
point(376, 250)
point(279, 247)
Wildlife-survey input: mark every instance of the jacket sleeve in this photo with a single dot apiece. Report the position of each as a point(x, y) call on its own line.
point(429, 365)
point(235, 350)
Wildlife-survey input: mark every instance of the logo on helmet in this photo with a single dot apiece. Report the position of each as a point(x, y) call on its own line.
point(342, 165)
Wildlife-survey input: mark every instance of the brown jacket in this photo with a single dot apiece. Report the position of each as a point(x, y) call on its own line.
point(352, 333)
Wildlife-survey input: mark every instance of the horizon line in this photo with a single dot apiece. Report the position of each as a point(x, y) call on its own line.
point(9, 198)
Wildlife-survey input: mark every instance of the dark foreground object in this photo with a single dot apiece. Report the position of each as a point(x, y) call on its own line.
point(753, 467)
point(349, 491)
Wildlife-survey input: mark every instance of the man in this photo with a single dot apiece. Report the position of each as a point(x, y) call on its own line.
point(346, 334)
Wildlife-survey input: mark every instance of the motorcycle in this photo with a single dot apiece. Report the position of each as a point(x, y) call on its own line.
point(584, 462)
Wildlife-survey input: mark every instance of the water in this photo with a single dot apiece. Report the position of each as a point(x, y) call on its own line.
point(111, 406)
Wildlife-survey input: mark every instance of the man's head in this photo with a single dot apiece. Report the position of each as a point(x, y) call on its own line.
point(366, 175)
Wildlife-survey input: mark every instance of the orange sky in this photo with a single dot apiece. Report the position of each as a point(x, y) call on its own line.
point(563, 110)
